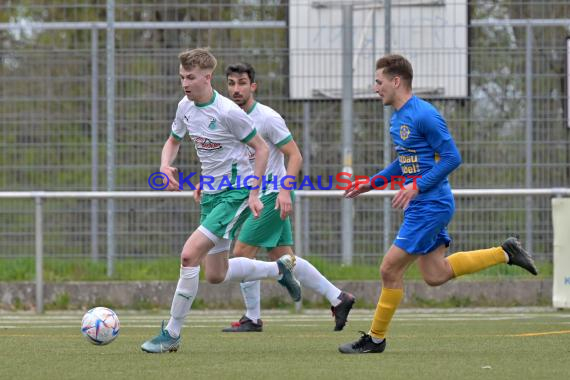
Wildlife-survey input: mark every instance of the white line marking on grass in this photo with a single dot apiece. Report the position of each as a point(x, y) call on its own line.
point(540, 333)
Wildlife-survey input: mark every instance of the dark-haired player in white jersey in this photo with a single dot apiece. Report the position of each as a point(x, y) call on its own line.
point(272, 230)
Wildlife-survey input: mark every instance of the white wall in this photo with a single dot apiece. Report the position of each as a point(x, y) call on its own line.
point(431, 34)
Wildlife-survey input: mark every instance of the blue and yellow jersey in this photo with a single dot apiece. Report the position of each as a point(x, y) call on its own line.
point(420, 136)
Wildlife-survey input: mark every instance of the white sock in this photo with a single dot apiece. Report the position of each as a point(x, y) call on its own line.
point(310, 277)
point(244, 269)
point(251, 297)
point(183, 297)
point(377, 340)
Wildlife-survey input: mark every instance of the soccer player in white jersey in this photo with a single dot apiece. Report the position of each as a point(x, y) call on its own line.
point(220, 131)
point(272, 230)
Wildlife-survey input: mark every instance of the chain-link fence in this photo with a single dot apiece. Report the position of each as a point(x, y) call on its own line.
point(499, 83)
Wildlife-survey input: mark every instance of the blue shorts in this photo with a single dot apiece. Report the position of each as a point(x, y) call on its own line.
point(425, 226)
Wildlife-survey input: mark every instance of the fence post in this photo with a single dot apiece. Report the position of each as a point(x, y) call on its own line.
point(529, 138)
point(110, 136)
point(94, 140)
point(347, 115)
point(387, 206)
point(39, 256)
point(306, 172)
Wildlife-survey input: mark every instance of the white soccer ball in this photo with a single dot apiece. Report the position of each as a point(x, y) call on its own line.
point(100, 325)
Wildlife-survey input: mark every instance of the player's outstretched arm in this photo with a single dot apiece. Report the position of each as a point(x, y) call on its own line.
point(169, 153)
point(356, 188)
point(295, 161)
point(378, 180)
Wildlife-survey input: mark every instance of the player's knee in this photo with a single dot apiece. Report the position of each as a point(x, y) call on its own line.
point(387, 274)
point(188, 261)
point(215, 278)
point(434, 280)
point(190, 257)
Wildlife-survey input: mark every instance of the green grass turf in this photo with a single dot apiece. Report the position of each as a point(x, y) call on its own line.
point(423, 344)
point(169, 270)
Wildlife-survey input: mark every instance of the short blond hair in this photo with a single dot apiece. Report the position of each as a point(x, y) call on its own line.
point(199, 57)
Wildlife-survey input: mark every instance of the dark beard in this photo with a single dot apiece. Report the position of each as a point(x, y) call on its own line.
point(240, 101)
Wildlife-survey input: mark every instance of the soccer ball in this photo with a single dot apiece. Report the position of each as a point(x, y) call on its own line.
point(100, 325)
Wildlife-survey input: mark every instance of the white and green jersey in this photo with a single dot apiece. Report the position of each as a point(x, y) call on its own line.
point(271, 126)
point(219, 130)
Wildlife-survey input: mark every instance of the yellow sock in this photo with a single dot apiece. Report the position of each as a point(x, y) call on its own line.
point(474, 261)
point(387, 305)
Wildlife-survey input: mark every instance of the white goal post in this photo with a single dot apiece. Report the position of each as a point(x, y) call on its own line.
point(561, 253)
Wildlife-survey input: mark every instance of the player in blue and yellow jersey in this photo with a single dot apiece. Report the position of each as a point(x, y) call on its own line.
point(426, 156)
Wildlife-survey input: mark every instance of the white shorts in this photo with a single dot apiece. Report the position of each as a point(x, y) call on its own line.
point(220, 244)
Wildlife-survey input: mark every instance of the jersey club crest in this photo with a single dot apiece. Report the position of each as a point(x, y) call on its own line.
point(404, 131)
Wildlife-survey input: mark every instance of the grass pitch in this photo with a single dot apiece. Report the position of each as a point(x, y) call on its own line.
point(423, 344)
